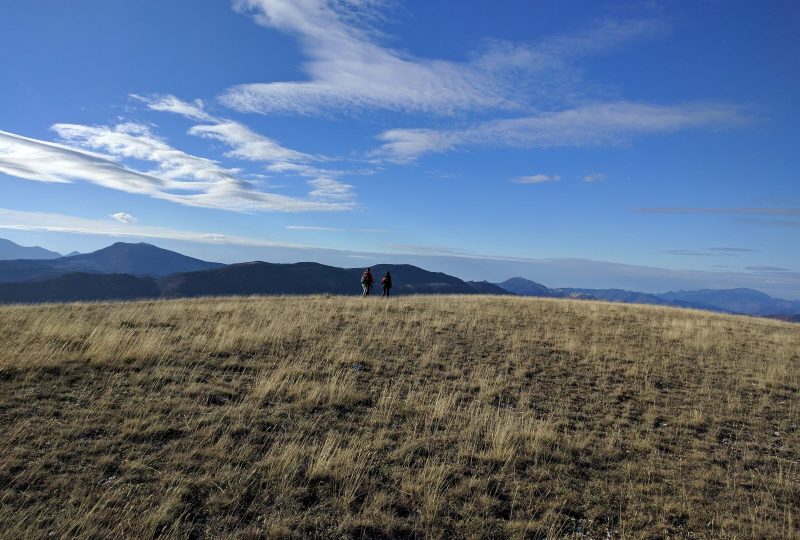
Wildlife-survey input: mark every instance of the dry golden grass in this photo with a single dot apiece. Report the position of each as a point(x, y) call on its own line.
point(419, 416)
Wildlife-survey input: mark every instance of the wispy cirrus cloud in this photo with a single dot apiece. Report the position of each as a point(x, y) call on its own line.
point(711, 252)
point(417, 249)
point(596, 177)
point(313, 228)
point(348, 67)
point(767, 269)
point(246, 144)
point(536, 179)
point(734, 250)
point(61, 223)
point(169, 103)
point(96, 154)
point(598, 124)
point(733, 211)
point(758, 216)
point(690, 253)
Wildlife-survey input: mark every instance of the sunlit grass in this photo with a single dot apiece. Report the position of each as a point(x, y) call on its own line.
point(418, 416)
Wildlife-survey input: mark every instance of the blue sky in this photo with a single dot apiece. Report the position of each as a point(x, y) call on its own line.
point(648, 145)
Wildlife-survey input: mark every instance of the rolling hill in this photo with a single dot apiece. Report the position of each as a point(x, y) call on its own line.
point(80, 287)
point(423, 417)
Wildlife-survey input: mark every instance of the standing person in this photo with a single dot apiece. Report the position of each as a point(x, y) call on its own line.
point(366, 281)
point(387, 283)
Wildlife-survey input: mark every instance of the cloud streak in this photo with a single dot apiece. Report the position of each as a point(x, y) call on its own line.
point(734, 250)
point(96, 154)
point(767, 269)
point(348, 68)
point(172, 104)
point(598, 124)
point(61, 223)
point(537, 179)
point(248, 145)
point(596, 177)
point(313, 228)
point(736, 211)
point(692, 253)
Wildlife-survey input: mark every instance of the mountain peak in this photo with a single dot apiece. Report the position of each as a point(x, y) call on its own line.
point(128, 245)
point(10, 251)
point(524, 287)
point(141, 259)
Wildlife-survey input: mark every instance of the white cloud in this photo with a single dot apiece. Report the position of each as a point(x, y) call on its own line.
point(37, 160)
point(244, 142)
point(247, 144)
point(537, 179)
point(251, 146)
point(60, 223)
point(406, 145)
point(123, 217)
point(135, 141)
point(178, 177)
point(596, 177)
point(767, 269)
point(348, 68)
point(589, 125)
point(313, 228)
point(169, 103)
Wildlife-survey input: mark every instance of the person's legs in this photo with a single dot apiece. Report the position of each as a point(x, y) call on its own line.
point(385, 290)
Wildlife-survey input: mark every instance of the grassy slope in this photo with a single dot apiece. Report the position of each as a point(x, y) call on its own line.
point(428, 416)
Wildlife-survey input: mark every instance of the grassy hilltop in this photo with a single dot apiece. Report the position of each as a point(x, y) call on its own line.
point(418, 416)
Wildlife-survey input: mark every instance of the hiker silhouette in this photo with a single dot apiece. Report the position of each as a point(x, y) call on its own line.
point(366, 281)
point(386, 281)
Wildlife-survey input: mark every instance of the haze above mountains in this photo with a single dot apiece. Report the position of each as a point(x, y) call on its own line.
point(134, 271)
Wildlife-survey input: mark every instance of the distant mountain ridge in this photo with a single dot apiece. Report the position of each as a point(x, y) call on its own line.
point(486, 287)
point(126, 271)
point(120, 258)
point(742, 301)
point(10, 251)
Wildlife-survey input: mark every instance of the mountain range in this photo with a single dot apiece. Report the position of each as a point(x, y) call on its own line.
point(744, 301)
point(125, 271)
point(120, 258)
point(10, 250)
